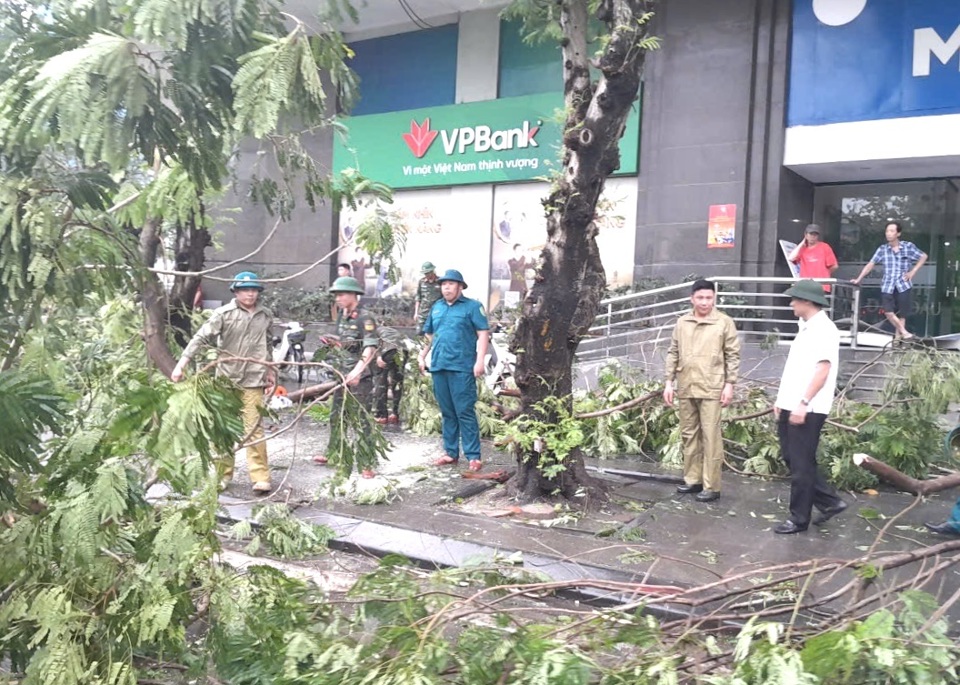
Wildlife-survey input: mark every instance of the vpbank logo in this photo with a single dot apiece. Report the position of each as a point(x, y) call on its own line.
point(476, 138)
point(838, 12)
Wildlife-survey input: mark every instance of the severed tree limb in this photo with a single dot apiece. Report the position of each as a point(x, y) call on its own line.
point(901, 480)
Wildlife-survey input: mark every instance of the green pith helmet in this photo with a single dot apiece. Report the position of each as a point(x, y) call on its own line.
point(346, 284)
point(427, 267)
point(246, 279)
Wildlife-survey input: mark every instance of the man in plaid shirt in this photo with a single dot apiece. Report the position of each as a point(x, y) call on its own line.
point(901, 261)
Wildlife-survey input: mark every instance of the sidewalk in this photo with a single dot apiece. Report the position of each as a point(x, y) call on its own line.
point(646, 532)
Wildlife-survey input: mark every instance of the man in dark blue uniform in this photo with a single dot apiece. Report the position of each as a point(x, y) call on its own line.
point(457, 335)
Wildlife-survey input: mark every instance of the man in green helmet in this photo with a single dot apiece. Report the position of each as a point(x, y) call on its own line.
point(428, 292)
point(241, 328)
point(355, 346)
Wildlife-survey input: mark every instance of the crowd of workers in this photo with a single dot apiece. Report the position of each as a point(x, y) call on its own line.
point(701, 369)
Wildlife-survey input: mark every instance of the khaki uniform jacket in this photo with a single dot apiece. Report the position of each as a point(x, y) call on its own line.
point(235, 332)
point(704, 355)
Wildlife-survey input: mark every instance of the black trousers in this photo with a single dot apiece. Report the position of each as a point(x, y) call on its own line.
point(389, 378)
point(808, 488)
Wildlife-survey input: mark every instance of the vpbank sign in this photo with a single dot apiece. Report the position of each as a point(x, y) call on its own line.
point(496, 141)
point(857, 60)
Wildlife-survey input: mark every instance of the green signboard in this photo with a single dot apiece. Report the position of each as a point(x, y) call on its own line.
point(496, 141)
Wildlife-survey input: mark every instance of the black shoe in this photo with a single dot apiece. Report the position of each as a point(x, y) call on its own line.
point(708, 496)
point(788, 528)
point(830, 512)
point(945, 528)
point(687, 489)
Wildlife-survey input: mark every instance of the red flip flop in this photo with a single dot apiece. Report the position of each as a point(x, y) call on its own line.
point(320, 460)
point(444, 461)
point(367, 473)
point(475, 465)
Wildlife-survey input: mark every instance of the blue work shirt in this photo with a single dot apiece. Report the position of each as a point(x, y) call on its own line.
point(454, 329)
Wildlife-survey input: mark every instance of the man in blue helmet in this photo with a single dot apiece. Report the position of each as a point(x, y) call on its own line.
point(457, 335)
point(241, 328)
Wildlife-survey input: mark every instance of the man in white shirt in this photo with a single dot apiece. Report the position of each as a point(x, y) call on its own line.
point(803, 403)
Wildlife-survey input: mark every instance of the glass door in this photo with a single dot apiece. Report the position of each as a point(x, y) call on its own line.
point(853, 218)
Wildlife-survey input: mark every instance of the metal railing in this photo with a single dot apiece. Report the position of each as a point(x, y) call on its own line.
point(757, 305)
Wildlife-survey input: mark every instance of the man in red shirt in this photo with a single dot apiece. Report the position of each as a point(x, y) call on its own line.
point(815, 258)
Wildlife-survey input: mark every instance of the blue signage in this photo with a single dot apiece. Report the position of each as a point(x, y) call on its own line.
point(857, 60)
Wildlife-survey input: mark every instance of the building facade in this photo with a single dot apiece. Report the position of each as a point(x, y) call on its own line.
point(756, 118)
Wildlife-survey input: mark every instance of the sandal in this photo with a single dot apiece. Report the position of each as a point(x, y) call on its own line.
point(475, 465)
point(368, 473)
point(322, 460)
point(445, 460)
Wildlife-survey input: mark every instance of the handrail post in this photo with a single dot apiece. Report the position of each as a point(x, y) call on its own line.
point(855, 319)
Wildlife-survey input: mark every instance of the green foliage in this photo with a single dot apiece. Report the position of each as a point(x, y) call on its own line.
point(356, 441)
point(274, 528)
point(28, 406)
point(298, 304)
point(552, 437)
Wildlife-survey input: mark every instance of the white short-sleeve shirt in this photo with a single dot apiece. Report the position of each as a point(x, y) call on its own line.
point(817, 341)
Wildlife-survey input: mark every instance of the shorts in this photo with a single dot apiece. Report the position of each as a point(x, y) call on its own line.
point(900, 304)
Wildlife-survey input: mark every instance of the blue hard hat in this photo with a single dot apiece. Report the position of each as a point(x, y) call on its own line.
point(246, 279)
point(453, 275)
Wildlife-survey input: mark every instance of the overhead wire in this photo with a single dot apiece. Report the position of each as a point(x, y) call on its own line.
point(413, 16)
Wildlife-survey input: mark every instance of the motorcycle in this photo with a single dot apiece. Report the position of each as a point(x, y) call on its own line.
point(289, 347)
point(499, 363)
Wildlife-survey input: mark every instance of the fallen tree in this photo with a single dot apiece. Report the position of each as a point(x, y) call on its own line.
point(902, 481)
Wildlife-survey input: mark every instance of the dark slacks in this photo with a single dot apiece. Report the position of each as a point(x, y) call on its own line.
point(808, 488)
point(456, 393)
point(389, 379)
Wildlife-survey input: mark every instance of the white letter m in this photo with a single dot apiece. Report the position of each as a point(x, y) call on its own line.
point(926, 42)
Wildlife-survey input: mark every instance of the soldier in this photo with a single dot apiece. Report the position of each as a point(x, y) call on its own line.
point(428, 292)
point(241, 328)
point(356, 345)
point(388, 375)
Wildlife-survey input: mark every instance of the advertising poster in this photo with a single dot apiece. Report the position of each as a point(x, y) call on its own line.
point(787, 247)
point(440, 226)
point(721, 226)
point(520, 231)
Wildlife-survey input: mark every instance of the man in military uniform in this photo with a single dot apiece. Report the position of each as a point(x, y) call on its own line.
point(241, 329)
point(428, 292)
point(457, 335)
point(356, 344)
point(388, 375)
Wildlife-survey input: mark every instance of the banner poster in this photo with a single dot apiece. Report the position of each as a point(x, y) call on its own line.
point(438, 225)
point(721, 226)
point(787, 247)
point(519, 232)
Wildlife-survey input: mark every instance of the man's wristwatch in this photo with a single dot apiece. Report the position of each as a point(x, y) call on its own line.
point(804, 401)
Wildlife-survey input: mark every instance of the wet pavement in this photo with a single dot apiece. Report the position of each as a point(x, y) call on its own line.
point(646, 533)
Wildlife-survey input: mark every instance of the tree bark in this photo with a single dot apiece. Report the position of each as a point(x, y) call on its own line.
point(901, 480)
point(570, 279)
point(191, 243)
point(154, 300)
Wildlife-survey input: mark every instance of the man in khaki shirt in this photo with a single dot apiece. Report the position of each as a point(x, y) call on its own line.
point(241, 328)
point(702, 366)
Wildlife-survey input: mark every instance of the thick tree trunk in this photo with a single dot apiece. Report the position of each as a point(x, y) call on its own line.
point(190, 247)
point(154, 300)
point(570, 279)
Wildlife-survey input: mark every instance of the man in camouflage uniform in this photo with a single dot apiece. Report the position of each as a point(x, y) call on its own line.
point(428, 292)
point(355, 347)
point(388, 375)
point(241, 329)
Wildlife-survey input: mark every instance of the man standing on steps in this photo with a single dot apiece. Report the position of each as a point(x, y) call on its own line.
point(702, 366)
point(457, 335)
point(241, 328)
point(802, 405)
point(355, 347)
point(901, 261)
point(814, 257)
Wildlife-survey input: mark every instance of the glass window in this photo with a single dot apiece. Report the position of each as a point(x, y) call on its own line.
point(406, 70)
